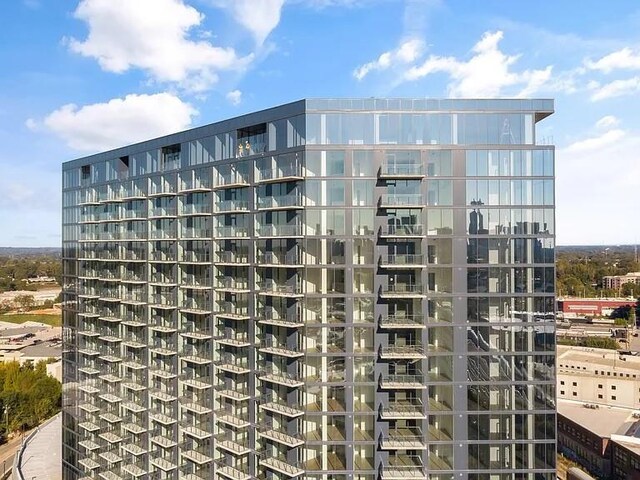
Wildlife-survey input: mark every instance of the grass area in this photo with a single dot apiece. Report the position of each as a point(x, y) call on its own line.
point(53, 320)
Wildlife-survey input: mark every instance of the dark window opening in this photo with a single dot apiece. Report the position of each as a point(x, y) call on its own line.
point(171, 157)
point(252, 140)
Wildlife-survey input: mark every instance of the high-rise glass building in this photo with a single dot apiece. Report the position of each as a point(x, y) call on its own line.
point(344, 289)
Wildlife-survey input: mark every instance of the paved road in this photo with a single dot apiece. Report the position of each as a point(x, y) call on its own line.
point(8, 451)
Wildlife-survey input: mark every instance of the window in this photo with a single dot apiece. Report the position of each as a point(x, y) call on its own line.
point(561, 392)
point(600, 385)
point(575, 394)
point(561, 382)
point(575, 384)
point(613, 387)
point(600, 396)
point(613, 397)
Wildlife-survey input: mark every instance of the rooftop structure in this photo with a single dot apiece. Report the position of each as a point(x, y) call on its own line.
point(39, 456)
point(356, 289)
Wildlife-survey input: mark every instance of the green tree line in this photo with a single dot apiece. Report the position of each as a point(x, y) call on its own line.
point(28, 396)
point(14, 271)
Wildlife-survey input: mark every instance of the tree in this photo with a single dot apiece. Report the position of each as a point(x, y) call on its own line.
point(25, 301)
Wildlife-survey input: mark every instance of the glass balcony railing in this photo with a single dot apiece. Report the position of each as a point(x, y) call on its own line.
point(401, 170)
point(279, 231)
point(232, 180)
point(402, 351)
point(275, 258)
point(196, 209)
point(285, 289)
point(413, 230)
point(403, 381)
point(403, 290)
point(402, 320)
point(196, 256)
point(279, 174)
point(232, 206)
point(280, 202)
point(233, 232)
point(402, 260)
point(414, 200)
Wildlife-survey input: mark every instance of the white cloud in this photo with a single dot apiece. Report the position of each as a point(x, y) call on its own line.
point(486, 74)
point(607, 122)
point(592, 143)
point(259, 17)
point(235, 97)
point(597, 180)
point(623, 59)
point(152, 35)
point(408, 52)
point(121, 121)
point(617, 88)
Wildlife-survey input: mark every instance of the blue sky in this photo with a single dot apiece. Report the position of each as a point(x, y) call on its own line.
point(84, 76)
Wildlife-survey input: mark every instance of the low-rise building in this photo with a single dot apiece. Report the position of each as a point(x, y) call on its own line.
point(575, 307)
point(598, 376)
point(613, 282)
point(585, 430)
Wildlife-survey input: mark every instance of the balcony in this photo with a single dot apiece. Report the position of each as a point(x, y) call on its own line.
point(403, 382)
point(195, 432)
point(397, 200)
point(233, 180)
point(199, 456)
point(279, 231)
point(196, 356)
point(280, 465)
point(403, 231)
point(278, 349)
point(273, 175)
point(241, 395)
point(409, 409)
point(232, 206)
point(407, 438)
point(195, 257)
point(232, 284)
point(237, 447)
point(232, 312)
point(191, 209)
point(233, 473)
point(231, 232)
point(281, 202)
point(236, 341)
point(402, 321)
point(402, 290)
point(402, 352)
point(195, 184)
point(403, 261)
point(407, 170)
point(161, 212)
point(196, 306)
point(402, 467)
point(281, 378)
point(232, 364)
point(168, 234)
point(229, 417)
point(273, 259)
point(226, 257)
point(276, 289)
point(134, 470)
point(279, 406)
point(162, 463)
point(276, 435)
point(196, 281)
point(275, 318)
point(195, 234)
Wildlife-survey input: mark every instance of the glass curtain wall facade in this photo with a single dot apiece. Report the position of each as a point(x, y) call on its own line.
point(331, 289)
